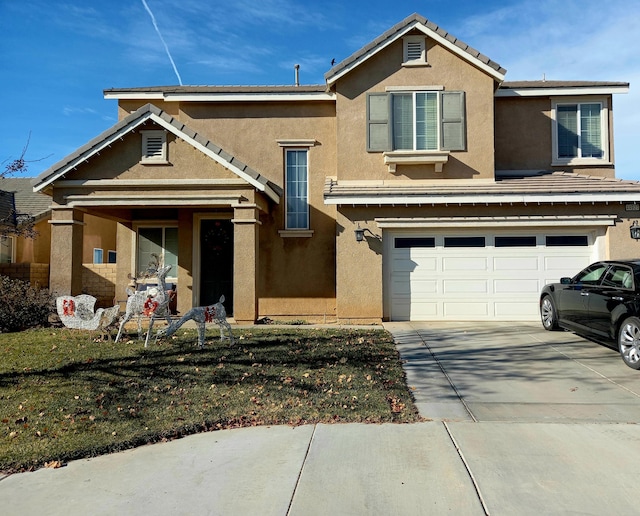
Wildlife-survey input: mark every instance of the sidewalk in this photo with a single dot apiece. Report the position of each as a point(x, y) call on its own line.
point(450, 465)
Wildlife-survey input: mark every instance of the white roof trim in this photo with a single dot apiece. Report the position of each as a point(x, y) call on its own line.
point(206, 199)
point(429, 33)
point(224, 96)
point(520, 221)
point(177, 183)
point(546, 92)
point(426, 200)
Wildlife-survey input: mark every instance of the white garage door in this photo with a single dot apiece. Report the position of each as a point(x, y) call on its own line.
point(478, 276)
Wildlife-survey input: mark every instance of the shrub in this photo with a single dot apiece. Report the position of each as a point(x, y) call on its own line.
point(23, 305)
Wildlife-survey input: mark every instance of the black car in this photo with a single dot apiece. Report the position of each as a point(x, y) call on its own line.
point(601, 302)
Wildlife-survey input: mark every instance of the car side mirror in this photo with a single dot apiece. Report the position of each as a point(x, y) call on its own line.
point(565, 281)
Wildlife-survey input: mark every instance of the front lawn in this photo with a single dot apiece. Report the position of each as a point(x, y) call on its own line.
point(64, 396)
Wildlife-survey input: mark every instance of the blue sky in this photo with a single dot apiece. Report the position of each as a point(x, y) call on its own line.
point(57, 56)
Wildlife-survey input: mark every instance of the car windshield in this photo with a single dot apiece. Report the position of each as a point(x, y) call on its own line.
point(592, 274)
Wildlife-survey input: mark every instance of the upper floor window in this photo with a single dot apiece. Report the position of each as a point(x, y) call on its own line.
point(6, 249)
point(297, 188)
point(98, 255)
point(580, 132)
point(416, 121)
point(154, 147)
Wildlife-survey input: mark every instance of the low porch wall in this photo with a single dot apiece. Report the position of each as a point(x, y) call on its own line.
point(99, 281)
point(37, 274)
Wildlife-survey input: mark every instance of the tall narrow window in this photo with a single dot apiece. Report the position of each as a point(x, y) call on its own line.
point(297, 204)
point(160, 241)
point(98, 255)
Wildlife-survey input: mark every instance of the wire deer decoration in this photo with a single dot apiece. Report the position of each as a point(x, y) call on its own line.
point(201, 315)
point(152, 303)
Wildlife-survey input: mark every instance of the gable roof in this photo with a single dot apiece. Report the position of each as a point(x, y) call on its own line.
point(27, 201)
point(168, 122)
point(544, 188)
point(431, 30)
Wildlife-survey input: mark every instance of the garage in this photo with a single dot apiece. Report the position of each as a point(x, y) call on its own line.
point(478, 274)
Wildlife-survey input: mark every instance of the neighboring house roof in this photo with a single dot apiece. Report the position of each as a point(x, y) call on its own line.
point(27, 201)
point(546, 88)
point(430, 29)
point(168, 122)
point(545, 187)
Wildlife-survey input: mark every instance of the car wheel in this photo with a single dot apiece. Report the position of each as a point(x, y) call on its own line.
point(548, 314)
point(629, 342)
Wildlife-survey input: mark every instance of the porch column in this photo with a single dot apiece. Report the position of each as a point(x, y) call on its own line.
point(65, 275)
point(245, 263)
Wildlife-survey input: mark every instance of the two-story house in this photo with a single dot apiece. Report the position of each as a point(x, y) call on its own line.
point(414, 184)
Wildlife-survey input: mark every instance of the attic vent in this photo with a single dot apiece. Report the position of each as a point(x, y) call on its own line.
point(415, 50)
point(154, 147)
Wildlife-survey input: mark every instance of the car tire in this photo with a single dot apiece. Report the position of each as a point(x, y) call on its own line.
point(629, 342)
point(548, 314)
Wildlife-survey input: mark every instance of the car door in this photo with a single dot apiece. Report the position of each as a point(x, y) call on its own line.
point(573, 298)
point(615, 289)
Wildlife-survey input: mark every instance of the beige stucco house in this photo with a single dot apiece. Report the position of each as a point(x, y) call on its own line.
point(469, 192)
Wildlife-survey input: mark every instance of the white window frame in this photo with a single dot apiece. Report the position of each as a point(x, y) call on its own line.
point(287, 194)
point(112, 253)
point(604, 131)
point(409, 46)
point(297, 144)
point(12, 247)
point(154, 155)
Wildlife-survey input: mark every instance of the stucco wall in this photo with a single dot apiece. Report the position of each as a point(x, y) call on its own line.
point(523, 129)
point(385, 69)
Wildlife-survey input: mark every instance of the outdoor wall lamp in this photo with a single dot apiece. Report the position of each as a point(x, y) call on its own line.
point(359, 232)
point(635, 230)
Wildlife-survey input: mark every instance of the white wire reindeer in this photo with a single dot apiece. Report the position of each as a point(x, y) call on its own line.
point(153, 303)
point(202, 315)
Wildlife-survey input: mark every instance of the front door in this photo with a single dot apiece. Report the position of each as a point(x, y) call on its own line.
point(216, 262)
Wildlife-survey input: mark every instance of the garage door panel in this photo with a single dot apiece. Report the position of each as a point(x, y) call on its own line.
point(516, 286)
point(516, 263)
point(495, 282)
point(466, 286)
point(471, 263)
point(571, 262)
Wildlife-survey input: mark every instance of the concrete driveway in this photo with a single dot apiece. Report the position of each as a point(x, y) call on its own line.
point(515, 372)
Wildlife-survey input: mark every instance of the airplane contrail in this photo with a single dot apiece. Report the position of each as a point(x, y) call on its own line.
point(153, 20)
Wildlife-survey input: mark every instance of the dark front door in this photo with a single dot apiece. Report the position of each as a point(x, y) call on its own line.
point(216, 262)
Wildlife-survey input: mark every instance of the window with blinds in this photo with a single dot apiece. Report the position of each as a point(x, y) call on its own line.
point(580, 132)
point(416, 121)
